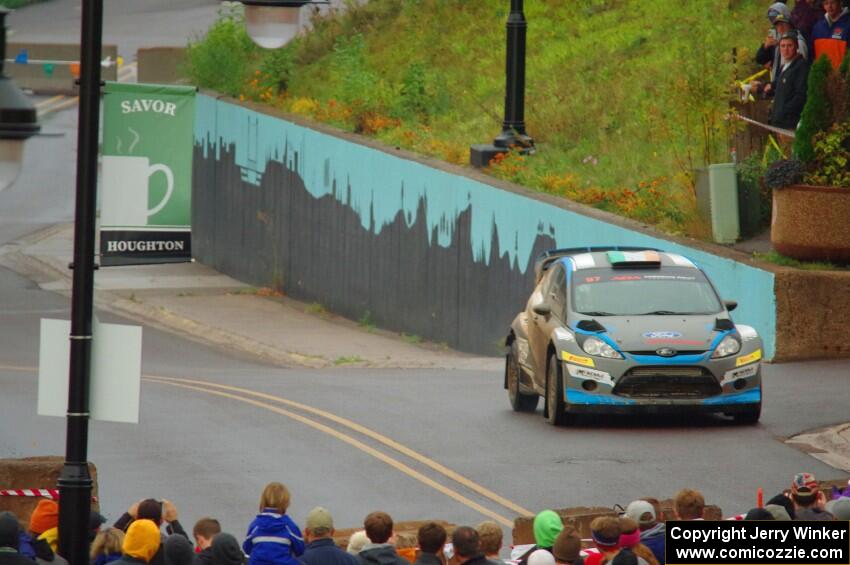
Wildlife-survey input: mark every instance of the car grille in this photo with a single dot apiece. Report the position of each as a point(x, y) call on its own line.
point(667, 382)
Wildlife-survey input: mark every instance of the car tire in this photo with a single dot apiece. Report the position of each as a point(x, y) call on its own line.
point(750, 417)
point(555, 405)
point(519, 402)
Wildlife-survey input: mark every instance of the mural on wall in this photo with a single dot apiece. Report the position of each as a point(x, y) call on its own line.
point(391, 241)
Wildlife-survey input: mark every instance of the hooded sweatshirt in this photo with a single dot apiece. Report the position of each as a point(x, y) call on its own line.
point(653, 538)
point(226, 551)
point(142, 540)
point(273, 539)
point(830, 37)
point(9, 539)
point(547, 526)
point(380, 554)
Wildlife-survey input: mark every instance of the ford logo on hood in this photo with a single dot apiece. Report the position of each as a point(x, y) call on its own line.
point(662, 335)
point(666, 352)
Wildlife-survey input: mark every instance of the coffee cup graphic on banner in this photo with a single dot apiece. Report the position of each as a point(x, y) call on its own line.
point(125, 193)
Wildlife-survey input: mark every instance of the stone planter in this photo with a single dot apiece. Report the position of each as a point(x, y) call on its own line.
point(812, 223)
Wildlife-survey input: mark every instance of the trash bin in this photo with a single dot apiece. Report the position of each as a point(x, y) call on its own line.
point(717, 200)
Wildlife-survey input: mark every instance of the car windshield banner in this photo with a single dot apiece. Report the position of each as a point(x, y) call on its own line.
point(146, 173)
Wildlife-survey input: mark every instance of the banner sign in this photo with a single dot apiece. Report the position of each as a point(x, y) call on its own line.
point(146, 172)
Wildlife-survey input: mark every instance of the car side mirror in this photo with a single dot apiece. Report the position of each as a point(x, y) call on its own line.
point(542, 309)
point(730, 304)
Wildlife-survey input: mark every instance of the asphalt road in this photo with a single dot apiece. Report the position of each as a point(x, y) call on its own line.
point(212, 454)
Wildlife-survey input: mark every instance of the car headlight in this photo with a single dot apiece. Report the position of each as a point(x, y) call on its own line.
point(597, 347)
point(728, 346)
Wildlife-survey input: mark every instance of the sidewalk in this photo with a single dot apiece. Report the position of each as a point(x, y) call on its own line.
point(193, 300)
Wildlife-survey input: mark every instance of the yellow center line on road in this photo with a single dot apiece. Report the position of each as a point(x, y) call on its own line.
point(60, 106)
point(204, 386)
point(454, 495)
point(49, 101)
point(443, 470)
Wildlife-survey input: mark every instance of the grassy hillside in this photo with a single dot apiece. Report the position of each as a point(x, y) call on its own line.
point(624, 97)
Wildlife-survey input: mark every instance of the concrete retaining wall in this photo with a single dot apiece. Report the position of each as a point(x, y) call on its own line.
point(161, 65)
point(435, 250)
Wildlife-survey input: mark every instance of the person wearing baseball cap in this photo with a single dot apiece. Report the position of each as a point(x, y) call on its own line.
point(808, 499)
point(652, 531)
point(321, 549)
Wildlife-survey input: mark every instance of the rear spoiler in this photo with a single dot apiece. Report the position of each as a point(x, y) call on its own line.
point(545, 259)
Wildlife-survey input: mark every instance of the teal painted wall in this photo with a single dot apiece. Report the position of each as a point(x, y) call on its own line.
point(381, 185)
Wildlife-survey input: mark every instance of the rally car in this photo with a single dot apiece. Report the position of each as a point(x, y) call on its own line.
point(627, 330)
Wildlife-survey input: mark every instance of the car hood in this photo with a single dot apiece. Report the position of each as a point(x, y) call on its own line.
point(647, 334)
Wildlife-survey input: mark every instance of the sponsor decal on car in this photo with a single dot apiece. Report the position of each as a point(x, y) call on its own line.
point(591, 374)
point(577, 359)
point(746, 359)
point(662, 335)
point(741, 373)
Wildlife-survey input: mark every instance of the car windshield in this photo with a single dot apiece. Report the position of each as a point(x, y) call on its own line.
point(666, 291)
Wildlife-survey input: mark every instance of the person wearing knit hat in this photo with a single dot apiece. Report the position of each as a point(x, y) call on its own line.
point(785, 502)
point(178, 551)
point(45, 516)
point(357, 542)
point(141, 542)
point(567, 547)
point(758, 514)
point(778, 512)
point(547, 526)
point(226, 550)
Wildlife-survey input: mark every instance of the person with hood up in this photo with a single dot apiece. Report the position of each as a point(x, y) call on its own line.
point(141, 543)
point(768, 52)
point(178, 551)
point(10, 532)
point(226, 550)
point(652, 531)
point(831, 33)
point(379, 530)
point(273, 537)
point(546, 526)
point(106, 546)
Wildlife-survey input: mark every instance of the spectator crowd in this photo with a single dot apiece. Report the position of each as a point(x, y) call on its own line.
point(797, 38)
point(149, 533)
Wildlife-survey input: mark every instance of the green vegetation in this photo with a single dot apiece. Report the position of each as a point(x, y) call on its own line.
point(317, 309)
point(817, 115)
point(624, 97)
point(350, 360)
point(412, 339)
point(779, 259)
point(366, 322)
point(15, 4)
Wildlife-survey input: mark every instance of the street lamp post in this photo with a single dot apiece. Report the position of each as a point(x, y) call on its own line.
point(272, 23)
point(18, 118)
point(513, 127)
point(75, 483)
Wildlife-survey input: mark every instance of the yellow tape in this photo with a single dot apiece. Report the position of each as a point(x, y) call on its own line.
point(755, 76)
point(747, 359)
point(570, 358)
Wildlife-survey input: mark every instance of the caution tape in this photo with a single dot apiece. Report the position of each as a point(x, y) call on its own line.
point(50, 493)
point(786, 132)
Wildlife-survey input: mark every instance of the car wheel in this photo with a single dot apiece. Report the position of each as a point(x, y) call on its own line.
point(555, 414)
point(519, 402)
point(749, 417)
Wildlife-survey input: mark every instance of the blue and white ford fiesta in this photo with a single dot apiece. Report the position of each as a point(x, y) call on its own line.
point(624, 330)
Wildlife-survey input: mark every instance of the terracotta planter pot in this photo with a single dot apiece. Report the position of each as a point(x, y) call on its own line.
point(812, 223)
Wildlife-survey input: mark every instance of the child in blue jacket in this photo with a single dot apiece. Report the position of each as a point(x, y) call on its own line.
point(273, 538)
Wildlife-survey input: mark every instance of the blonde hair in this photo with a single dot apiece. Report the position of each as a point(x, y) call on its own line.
point(276, 496)
point(490, 535)
point(106, 542)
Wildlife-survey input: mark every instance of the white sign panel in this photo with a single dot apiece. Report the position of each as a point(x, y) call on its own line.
point(115, 373)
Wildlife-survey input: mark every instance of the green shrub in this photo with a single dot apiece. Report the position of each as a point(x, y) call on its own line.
point(222, 59)
point(784, 173)
point(817, 114)
point(831, 164)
